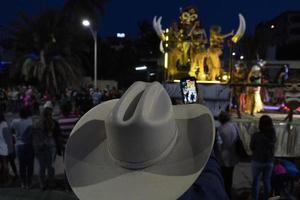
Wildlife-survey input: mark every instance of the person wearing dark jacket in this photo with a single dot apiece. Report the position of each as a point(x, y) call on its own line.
point(209, 185)
point(262, 145)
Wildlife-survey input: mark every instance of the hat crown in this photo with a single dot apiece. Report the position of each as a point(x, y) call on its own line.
point(141, 128)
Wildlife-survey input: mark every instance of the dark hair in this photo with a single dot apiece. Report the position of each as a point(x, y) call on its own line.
point(66, 108)
point(47, 112)
point(224, 117)
point(24, 112)
point(1, 116)
point(266, 124)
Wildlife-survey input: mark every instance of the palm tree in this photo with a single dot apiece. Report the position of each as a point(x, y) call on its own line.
point(43, 51)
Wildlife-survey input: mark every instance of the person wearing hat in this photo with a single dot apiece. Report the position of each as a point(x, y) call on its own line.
point(142, 147)
point(45, 137)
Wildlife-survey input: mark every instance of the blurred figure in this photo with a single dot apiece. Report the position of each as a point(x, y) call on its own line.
point(83, 101)
point(15, 100)
point(21, 129)
point(227, 134)
point(253, 99)
point(279, 178)
point(45, 135)
point(97, 97)
point(262, 145)
point(114, 93)
point(3, 99)
point(66, 122)
point(239, 75)
point(4, 149)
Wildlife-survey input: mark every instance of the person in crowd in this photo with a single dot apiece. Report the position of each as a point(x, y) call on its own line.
point(15, 100)
point(47, 96)
point(3, 99)
point(279, 177)
point(12, 157)
point(227, 133)
point(114, 93)
point(96, 96)
point(262, 145)
point(254, 103)
point(66, 122)
point(83, 101)
point(21, 129)
point(4, 150)
point(45, 136)
point(209, 185)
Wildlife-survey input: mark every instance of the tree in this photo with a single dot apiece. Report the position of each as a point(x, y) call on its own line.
point(45, 51)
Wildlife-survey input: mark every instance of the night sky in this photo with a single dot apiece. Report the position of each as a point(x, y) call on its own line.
point(123, 16)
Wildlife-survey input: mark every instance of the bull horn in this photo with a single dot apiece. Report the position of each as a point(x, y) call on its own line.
point(157, 27)
point(241, 30)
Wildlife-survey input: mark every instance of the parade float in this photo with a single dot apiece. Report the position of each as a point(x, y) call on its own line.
point(188, 51)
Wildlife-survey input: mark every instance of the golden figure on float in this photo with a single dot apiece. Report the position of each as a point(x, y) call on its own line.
point(186, 47)
point(214, 51)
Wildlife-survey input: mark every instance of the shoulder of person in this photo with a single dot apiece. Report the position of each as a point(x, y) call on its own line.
point(4, 124)
point(14, 121)
point(38, 124)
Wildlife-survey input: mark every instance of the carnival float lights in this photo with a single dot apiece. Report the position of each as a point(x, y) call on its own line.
point(189, 51)
point(141, 68)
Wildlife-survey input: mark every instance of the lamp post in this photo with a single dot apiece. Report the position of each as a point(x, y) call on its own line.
point(87, 24)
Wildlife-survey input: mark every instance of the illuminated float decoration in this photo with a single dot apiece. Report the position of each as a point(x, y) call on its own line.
point(254, 103)
point(187, 50)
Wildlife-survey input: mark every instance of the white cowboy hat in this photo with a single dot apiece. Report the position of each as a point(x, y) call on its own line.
point(139, 147)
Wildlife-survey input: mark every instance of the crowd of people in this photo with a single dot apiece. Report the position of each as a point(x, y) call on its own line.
point(82, 99)
point(43, 139)
point(276, 173)
point(39, 133)
point(27, 139)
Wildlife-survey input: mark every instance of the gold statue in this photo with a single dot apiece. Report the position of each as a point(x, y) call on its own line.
point(184, 45)
point(215, 50)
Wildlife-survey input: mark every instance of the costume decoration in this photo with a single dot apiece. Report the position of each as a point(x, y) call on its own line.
point(253, 100)
point(187, 48)
point(239, 75)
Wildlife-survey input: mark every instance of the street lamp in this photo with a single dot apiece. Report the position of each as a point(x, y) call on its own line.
point(87, 24)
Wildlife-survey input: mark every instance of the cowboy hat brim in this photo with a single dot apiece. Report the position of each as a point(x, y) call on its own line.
point(93, 175)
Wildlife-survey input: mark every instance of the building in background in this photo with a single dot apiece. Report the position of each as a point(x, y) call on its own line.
point(279, 38)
